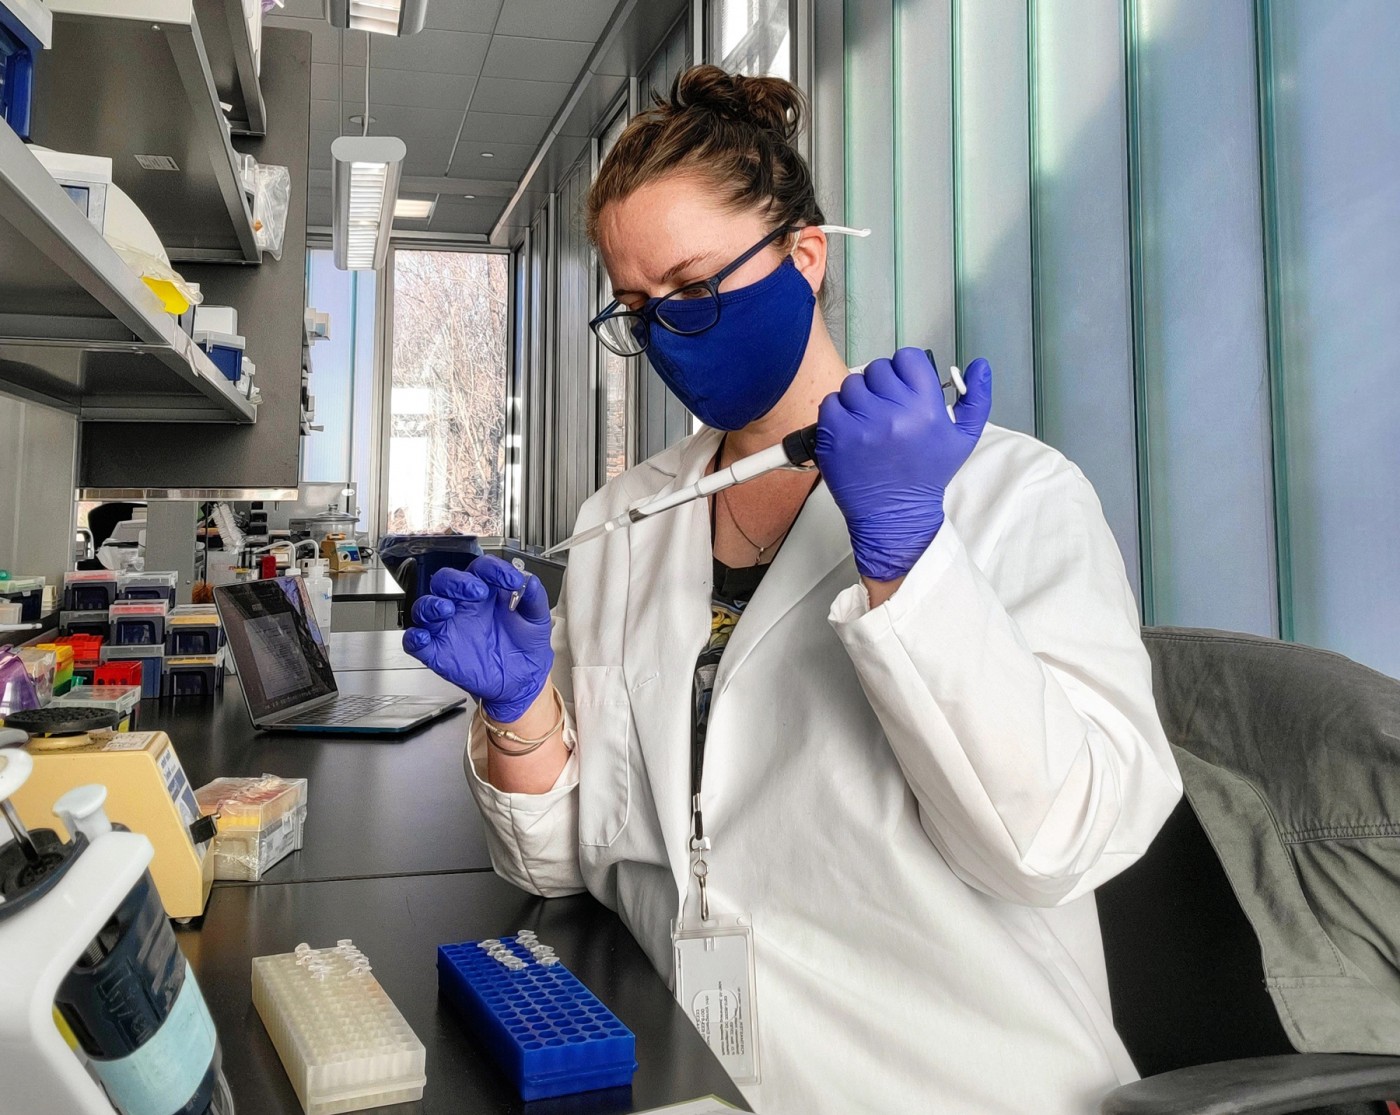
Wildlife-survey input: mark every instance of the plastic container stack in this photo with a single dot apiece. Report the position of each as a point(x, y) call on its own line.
point(260, 823)
point(124, 700)
point(27, 592)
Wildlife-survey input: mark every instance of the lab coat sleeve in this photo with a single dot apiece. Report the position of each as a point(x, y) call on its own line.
point(533, 838)
point(1017, 698)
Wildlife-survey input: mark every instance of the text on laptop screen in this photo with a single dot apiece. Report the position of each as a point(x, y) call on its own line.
point(281, 664)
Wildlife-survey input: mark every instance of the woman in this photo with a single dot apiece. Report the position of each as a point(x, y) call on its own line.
point(895, 715)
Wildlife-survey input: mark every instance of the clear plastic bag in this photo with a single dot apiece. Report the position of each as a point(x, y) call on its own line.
point(270, 201)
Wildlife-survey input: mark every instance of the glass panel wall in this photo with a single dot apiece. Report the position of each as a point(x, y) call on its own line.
point(1173, 233)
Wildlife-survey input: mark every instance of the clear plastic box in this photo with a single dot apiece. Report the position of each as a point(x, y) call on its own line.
point(124, 700)
point(260, 823)
point(343, 1043)
point(148, 586)
point(87, 590)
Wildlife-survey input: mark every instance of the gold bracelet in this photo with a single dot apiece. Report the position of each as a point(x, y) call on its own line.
point(496, 731)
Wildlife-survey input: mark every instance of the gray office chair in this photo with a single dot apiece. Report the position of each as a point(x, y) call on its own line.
point(1292, 729)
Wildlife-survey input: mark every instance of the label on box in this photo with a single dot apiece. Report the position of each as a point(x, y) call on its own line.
point(131, 741)
point(157, 162)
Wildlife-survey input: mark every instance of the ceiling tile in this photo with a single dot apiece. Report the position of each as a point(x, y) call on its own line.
point(426, 159)
point(580, 20)
point(537, 59)
point(319, 180)
point(499, 127)
point(508, 161)
point(465, 216)
point(462, 15)
point(443, 52)
point(325, 116)
point(318, 208)
point(407, 123)
point(405, 87)
point(512, 95)
point(325, 81)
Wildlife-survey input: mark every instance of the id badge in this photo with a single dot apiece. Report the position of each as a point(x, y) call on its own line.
point(715, 986)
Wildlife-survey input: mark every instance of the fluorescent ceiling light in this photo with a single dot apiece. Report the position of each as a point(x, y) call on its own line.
point(384, 17)
point(364, 184)
point(414, 209)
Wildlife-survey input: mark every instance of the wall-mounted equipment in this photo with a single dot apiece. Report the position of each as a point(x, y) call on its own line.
point(384, 17)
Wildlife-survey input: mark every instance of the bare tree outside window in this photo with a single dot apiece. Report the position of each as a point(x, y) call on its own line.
point(447, 407)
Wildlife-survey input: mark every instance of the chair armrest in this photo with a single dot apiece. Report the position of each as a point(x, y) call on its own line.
point(1260, 1086)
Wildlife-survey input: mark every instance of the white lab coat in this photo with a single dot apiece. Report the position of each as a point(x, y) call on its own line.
point(915, 802)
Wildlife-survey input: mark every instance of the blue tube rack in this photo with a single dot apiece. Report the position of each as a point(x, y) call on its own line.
point(544, 1029)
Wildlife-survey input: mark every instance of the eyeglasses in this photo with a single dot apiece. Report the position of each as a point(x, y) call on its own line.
point(688, 310)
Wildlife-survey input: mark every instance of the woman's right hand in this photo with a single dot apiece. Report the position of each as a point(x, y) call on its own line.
point(465, 632)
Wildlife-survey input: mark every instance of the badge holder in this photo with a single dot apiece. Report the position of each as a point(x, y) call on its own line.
point(715, 981)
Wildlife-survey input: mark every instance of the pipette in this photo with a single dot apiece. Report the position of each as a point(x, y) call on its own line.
point(796, 451)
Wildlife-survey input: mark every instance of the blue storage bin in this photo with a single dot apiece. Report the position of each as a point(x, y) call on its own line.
point(544, 1029)
point(225, 350)
point(18, 48)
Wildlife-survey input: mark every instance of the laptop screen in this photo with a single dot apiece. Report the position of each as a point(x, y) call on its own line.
point(275, 642)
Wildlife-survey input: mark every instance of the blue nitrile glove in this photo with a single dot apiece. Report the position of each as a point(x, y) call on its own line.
point(466, 632)
point(887, 450)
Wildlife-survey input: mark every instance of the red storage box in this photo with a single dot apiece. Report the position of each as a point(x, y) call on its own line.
point(119, 673)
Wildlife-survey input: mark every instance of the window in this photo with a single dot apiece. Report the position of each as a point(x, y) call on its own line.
point(342, 379)
point(618, 372)
point(447, 399)
point(751, 37)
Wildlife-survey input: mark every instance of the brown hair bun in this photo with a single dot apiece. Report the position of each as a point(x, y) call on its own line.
point(736, 133)
point(768, 103)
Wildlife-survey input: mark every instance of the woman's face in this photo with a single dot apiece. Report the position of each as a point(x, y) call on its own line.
point(671, 232)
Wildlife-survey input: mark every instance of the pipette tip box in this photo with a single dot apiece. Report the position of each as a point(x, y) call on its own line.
point(343, 1043)
point(193, 629)
point(544, 1029)
point(260, 823)
point(86, 590)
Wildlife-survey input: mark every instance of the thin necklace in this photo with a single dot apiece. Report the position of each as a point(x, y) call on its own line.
point(724, 494)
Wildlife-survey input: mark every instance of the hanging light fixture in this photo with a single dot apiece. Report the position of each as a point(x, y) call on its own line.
point(365, 186)
point(383, 17)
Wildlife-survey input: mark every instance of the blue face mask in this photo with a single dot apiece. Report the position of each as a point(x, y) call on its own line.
point(737, 370)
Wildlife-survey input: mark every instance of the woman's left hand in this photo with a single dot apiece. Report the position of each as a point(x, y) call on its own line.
point(887, 449)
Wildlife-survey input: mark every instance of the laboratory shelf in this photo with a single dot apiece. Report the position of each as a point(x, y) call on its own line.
point(78, 329)
point(229, 47)
point(131, 80)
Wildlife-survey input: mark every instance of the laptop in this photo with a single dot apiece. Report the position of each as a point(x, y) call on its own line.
point(286, 676)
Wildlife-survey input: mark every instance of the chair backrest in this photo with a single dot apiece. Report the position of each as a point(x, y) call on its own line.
point(1185, 975)
point(1299, 733)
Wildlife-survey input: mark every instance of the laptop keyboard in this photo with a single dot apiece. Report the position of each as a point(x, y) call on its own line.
point(348, 707)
